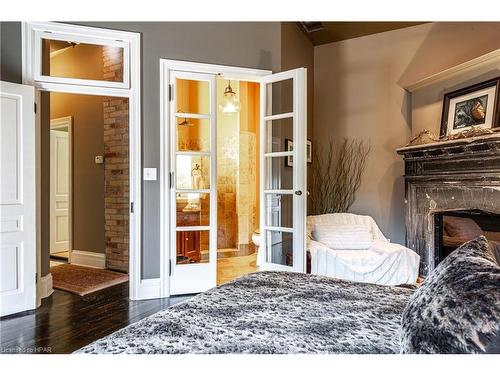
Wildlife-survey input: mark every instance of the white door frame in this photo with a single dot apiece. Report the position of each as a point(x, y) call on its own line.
point(166, 66)
point(32, 32)
point(57, 123)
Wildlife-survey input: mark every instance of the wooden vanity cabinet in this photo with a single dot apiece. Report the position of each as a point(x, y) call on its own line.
point(188, 242)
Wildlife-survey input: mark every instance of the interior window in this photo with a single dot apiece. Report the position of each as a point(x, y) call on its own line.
point(68, 59)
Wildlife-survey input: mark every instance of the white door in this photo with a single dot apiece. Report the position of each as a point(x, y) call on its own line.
point(193, 193)
point(17, 199)
point(283, 180)
point(59, 189)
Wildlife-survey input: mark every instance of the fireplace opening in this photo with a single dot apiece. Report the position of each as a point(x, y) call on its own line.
point(454, 228)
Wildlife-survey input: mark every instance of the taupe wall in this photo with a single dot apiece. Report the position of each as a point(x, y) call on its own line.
point(463, 42)
point(298, 52)
point(88, 141)
point(358, 93)
point(45, 183)
point(88, 177)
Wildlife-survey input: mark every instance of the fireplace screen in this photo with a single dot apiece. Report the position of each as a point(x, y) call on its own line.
point(454, 228)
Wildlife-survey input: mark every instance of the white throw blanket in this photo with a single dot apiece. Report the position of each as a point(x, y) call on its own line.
point(383, 263)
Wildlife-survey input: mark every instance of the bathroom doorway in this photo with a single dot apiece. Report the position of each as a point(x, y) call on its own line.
point(220, 125)
point(216, 166)
point(238, 115)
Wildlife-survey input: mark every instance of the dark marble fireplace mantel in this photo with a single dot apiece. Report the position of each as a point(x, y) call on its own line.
point(448, 176)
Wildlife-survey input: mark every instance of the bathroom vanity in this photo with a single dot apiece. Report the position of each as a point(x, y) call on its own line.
point(188, 242)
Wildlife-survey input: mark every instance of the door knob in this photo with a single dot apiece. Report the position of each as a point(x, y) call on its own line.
point(298, 192)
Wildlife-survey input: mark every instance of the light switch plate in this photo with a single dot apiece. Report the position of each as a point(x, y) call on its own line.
point(149, 174)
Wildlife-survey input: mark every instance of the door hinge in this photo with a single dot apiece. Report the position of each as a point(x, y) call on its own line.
point(36, 278)
point(170, 267)
point(132, 207)
point(170, 92)
point(35, 107)
point(171, 180)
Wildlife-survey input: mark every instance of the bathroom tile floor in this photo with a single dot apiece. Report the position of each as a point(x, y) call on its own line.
point(231, 268)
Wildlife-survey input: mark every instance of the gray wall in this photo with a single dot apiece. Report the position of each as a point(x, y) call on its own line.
point(88, 141)
point(244, 44)
point(253, 45)
point(357, 91)
point(10, 52)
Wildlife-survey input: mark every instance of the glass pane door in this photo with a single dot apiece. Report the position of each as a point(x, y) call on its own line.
point(193, 183)
point(283, 176)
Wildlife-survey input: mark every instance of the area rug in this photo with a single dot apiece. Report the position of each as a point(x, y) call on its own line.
point(84, 280)
point(271, 312)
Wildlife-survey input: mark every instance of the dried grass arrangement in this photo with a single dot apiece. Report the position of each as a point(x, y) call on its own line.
point(337, 170)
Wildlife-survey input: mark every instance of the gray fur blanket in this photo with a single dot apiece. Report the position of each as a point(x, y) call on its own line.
point(271, 312)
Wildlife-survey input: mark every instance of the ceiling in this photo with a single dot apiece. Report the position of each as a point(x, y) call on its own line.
point(328, 32)
point(56, 45)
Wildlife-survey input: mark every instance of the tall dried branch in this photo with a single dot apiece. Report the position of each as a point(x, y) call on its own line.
point(336, 174)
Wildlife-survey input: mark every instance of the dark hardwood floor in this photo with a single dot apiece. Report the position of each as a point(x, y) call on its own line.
point(66, 322)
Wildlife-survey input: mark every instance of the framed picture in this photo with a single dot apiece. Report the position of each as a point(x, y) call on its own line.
point(289, 147)
point(475, 105)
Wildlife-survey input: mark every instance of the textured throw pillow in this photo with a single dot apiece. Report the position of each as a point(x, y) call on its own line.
point(344, 236)
point(457, 308)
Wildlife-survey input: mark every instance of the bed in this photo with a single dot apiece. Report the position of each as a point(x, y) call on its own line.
point(271, 312)
point(456, 310)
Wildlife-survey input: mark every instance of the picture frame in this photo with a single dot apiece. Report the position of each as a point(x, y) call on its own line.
point(289, 147)
point(476, 105)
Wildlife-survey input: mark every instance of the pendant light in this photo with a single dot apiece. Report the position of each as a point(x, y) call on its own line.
point(231, 103)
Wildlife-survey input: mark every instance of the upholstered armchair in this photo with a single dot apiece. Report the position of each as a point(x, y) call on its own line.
point(352, 247)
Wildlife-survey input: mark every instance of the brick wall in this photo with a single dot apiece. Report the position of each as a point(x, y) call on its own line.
point(116, 167)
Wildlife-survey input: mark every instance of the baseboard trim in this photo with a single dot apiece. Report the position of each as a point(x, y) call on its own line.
point(44, 287)
point(88, 259)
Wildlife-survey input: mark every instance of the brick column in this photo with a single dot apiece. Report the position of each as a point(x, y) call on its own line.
point(116, 167)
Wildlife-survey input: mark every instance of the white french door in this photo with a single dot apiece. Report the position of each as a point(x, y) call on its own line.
point(283, 172)
point(192, 161)
point(17, 198)
point(193, 190)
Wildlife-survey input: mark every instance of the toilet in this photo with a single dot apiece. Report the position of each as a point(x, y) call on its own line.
point(256, 240)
